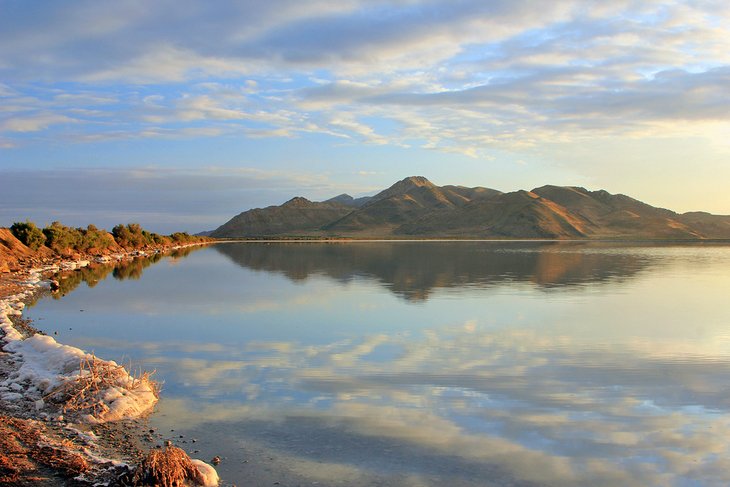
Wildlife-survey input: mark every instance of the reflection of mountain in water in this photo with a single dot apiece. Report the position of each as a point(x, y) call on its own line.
point(413, 269)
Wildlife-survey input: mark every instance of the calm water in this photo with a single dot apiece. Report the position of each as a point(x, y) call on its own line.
point(428, 364)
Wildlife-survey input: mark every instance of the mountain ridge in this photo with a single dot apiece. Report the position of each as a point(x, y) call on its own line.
point(414, 207)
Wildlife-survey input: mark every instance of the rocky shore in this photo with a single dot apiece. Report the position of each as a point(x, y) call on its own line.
point(67, 417)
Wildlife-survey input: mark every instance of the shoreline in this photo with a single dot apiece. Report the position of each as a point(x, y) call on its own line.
point(466, 240)
point(84, 449)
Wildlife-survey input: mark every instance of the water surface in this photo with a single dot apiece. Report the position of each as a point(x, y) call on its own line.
point(429, 363)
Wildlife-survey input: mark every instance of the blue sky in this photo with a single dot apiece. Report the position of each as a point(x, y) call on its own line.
point(180, 114)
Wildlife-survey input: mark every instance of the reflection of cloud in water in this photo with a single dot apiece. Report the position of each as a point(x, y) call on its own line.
point(546, 409)
point(600, 385)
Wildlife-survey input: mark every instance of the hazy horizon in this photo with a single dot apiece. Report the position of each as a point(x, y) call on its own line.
point(181, 115)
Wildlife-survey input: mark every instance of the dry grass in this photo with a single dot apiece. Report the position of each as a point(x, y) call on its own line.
point(170, 467)
point(83, 393)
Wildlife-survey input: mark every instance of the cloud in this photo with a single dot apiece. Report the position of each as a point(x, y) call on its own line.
point(487, 81)
point(92, 41)
point(162, 199)
point(34, 123)
point(165, 63)
point(468, 77)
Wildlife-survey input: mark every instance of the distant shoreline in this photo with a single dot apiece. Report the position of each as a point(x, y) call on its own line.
point(447, 239)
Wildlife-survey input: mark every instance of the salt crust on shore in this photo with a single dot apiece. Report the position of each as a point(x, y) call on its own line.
point(44, 364)
point(208, 475)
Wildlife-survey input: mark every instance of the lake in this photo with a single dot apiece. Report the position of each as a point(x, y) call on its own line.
point(427, 363)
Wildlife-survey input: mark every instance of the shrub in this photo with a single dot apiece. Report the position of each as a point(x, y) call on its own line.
point(29, 234)
point(120, 233)
point(161, 239)
point(61, 238)
point(93, 238)
point(182, 237)
point(131, 236)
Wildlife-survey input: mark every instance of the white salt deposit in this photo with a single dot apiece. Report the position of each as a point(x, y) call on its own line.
point(208, 475)
point(44, 364)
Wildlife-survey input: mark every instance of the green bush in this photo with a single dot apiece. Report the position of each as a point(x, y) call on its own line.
point(61, 238)
point(131, 236)
point(120, 234)
point(180, 237)
point(161, 239)
point(28, 233)
point(93, 238)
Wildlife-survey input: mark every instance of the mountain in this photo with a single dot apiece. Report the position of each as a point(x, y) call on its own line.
point(347, 200)
point(415, 207)
point(520, 214)
point(709, 226)
point(297, 216)
point(608, 215)
point(407, 200)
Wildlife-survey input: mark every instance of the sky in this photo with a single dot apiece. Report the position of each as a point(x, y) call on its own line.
point(181, 114)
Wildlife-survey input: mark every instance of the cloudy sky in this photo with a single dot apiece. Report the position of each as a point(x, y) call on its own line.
point(180, 114)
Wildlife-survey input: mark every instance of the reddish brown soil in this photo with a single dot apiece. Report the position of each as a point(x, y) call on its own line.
point(31, 456)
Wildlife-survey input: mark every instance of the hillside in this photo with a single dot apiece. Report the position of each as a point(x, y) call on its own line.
point(608, 215)
point(415, 207)
point(12, 251)
point(297, 216)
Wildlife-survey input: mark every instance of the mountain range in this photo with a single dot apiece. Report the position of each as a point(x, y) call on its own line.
point(417, 208)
